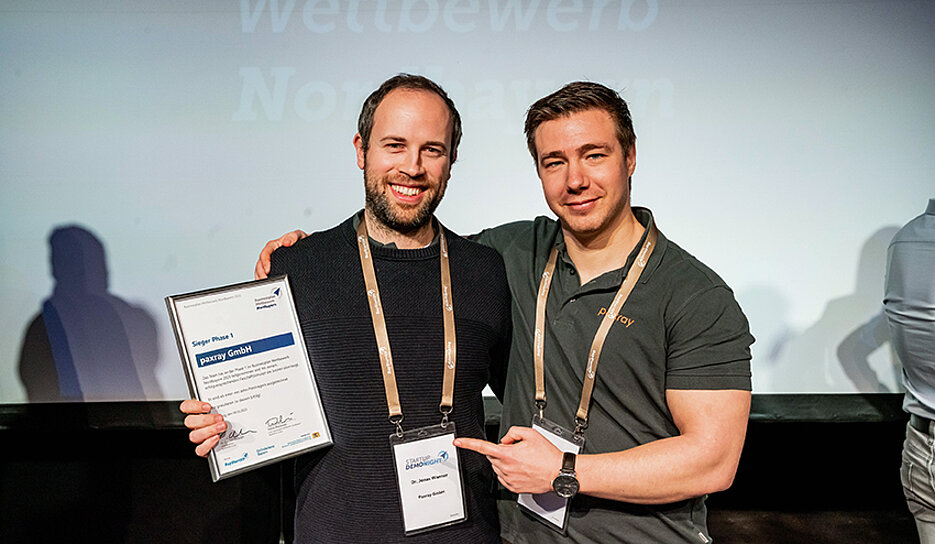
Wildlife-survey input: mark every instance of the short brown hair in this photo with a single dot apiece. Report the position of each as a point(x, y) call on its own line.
point(415, 83)
point(576, 97)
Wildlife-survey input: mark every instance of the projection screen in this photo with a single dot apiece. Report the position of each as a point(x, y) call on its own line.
point(152, 148)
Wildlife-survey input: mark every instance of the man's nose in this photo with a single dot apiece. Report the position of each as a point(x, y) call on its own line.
point(411, 164)
point(576, 179)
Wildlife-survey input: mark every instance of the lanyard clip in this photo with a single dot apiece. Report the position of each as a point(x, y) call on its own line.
point(445, 410)
point(540, 405)
point(580, 426)
point(397, 420)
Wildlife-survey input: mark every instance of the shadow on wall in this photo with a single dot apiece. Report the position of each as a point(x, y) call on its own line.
point(87, 344)
point(833, 355)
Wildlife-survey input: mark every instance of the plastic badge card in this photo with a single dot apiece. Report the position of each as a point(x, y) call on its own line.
point(429, 478)
point(549, 507)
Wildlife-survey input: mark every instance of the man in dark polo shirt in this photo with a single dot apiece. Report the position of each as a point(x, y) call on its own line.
point(666, 391)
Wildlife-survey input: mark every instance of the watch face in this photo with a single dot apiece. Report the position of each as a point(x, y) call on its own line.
point(565, 486)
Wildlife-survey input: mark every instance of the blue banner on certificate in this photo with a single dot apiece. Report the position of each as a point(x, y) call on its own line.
point(243, 352)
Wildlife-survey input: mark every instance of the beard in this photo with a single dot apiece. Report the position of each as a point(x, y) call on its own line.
point(402, 219)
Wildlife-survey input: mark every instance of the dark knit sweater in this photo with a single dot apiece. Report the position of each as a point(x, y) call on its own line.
point(347, 492)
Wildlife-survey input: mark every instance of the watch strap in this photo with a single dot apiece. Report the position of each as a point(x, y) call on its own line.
point(568, 462)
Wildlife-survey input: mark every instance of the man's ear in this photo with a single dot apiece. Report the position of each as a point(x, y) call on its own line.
point(359, 145)
point(631, 160)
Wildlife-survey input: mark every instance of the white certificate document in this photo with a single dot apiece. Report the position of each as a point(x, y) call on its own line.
point(243, 352)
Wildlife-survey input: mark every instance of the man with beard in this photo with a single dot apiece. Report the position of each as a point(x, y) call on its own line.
point(623, 344)
point(407, 139)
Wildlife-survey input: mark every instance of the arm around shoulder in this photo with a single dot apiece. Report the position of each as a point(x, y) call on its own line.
point(263, 263)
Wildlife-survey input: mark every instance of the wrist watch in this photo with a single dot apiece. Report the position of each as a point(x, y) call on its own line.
point(566, 484)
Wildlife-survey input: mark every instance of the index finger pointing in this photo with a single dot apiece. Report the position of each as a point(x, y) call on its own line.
point(480, 446)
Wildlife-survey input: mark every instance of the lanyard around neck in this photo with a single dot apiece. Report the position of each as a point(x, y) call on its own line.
point(383, 341)
point(594, 355)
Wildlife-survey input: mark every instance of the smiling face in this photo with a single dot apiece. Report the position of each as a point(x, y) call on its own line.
point(407, 162)
point(585, 172)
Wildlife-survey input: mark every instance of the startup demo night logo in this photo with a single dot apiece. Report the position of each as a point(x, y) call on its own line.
point(426, 460)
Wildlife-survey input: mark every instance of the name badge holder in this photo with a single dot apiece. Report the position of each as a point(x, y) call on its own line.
point(549, 508)
point(428, 474)
point(428, 466)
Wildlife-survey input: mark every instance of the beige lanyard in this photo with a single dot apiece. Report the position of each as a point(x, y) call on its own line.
point(383, 341)
point(636, 269)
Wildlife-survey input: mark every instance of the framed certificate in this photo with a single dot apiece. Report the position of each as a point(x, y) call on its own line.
point(243, 352)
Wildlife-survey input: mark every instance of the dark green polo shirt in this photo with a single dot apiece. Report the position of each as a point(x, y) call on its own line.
point(681, 328)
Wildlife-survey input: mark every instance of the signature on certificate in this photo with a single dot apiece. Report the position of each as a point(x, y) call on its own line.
point(278, 421)
point(234, 433)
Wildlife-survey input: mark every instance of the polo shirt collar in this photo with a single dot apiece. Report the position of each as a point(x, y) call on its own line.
point(613, 278)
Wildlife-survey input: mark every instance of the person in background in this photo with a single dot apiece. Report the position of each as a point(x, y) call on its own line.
point(909, 304)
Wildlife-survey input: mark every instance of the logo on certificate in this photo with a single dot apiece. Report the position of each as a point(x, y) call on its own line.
point(267, 302)
point(235, 461)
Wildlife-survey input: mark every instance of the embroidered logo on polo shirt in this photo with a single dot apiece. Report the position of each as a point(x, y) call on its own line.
point(622, 319)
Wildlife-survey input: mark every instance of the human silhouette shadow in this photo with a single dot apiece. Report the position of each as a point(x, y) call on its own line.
point(86, 344)
point(832, 355)
point(854, 349)
point(767, 310)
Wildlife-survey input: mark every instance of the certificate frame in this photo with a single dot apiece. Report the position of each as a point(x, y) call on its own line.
point(243, 352)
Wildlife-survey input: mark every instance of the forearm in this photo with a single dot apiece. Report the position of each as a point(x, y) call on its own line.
point(702, 459)
point(664, 471)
